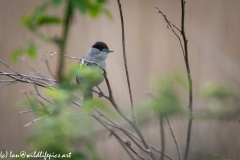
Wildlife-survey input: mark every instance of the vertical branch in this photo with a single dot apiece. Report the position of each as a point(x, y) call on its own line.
point(63, 40)
point(162, 136)
point(125, 59)
point(183, 2)
point(174, 138)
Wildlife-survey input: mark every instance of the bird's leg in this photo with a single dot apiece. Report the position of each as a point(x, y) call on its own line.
point(100, 94)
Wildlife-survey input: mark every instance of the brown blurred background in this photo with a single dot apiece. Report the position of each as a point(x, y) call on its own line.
point(212, 28)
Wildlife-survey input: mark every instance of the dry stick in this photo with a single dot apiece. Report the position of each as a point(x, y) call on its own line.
point(189, 80)
point(162, 135)
point(125, 59)
point(174, 138)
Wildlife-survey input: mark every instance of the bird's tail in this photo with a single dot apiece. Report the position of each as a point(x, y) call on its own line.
point(88, 95)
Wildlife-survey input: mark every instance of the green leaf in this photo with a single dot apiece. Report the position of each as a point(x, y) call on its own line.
point(57, 94)
point(32, 51)
point(57, 2)
point(45, 19)
point(167, 103)
point(78, 156)
point(101, 1)
point(94, 11)
point(90, 106)
point(218, 91)
point(80, 5)
point(16, 54)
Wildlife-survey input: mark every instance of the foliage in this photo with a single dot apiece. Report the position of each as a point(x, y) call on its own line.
point(222, 100)
point(167, 100)
point(30, 49)
point(59, 127)
point(41, 18)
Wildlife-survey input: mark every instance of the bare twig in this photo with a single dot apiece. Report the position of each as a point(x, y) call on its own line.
point(70, 57)
point(162, 136)
point(174, 138)
point(8, 66)
point(48, 66)
point(41, 95)
point(9, 82)
point(117, 137)
point(130, 134)
point(125, 59)
point(28, 111)
point(127, 150)
point(172, 27)
point(35, 120)
point(185, 41)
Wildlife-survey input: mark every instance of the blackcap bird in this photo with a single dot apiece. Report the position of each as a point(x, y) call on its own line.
point(97, 53)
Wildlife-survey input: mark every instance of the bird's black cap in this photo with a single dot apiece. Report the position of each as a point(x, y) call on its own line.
point(100, 45)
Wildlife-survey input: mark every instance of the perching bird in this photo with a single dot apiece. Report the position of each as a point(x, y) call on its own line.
point(97, 53)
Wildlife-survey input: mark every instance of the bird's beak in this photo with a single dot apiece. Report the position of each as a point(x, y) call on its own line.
point(110, 51)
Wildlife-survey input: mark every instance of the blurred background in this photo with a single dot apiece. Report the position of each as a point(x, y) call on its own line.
point(212, 29)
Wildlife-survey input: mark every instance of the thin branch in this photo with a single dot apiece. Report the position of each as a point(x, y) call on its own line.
point(28, 111)
point(35, 120)
point(174, 138)
point(132, 123)
point(170, 24)
point(172, 27)
point(70, 57)
point(190, 106)
point(162, 136)
point(129, 134)
point(48, 67)
point(41, 95)
point(118, 138)
point(9, 82)
point(8, 66)
point(127, 150)
point(125, 59)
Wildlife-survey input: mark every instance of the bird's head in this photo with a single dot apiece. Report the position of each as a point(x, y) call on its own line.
point(100, 50)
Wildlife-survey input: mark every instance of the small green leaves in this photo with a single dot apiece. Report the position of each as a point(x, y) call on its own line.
point(45, 19)
point(167, 103)
point(30, 49)
point(167, 100)
point(57, 2)
point(39, 19)
point(80, 5)
point(93, 7)
point(222, 101)
point(218, 91)
point(90, 106)
point(57, 94)
point(87, 77)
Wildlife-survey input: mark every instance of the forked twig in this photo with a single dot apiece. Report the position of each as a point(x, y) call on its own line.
point(125, 59)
